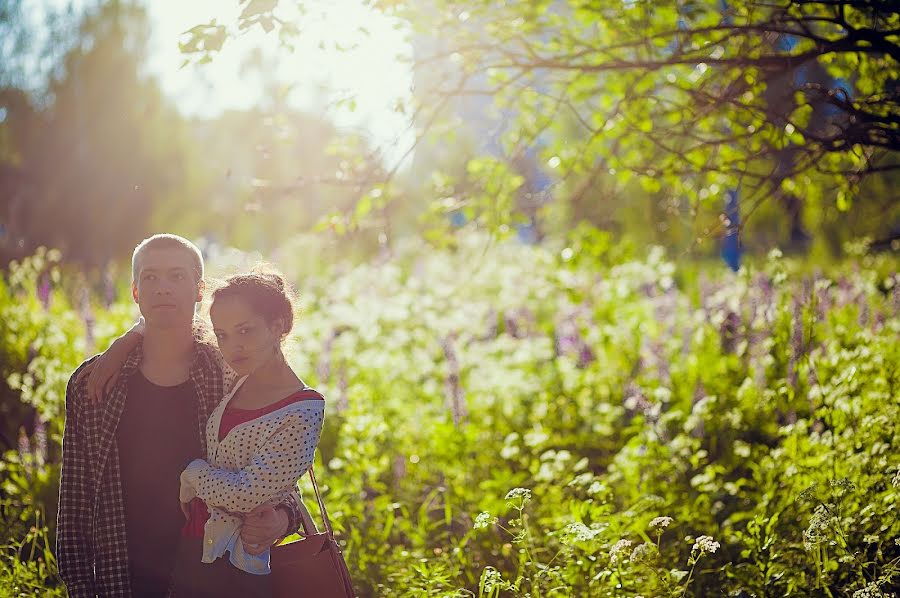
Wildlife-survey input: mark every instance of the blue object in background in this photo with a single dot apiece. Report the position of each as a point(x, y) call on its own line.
point(731, 245)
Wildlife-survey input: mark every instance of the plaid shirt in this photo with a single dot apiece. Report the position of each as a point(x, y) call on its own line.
point(91, 547)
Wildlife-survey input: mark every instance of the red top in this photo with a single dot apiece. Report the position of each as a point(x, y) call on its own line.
point(231, 418)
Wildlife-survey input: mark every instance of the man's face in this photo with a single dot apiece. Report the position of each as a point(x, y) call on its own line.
point(167, 287)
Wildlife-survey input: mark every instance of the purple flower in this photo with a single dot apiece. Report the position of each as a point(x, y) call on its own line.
point(43, 290)
point(456, 400)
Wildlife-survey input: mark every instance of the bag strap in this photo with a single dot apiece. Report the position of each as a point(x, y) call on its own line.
point(328, 528)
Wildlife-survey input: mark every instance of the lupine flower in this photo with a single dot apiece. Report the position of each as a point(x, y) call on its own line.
point(343, 400)
point(87, 316)
point(109, 287)
point(40, 441)
point(728, 332)
point(399, 467)
point(24, 445)
point(456, 400)
point(796, 341)
point(43, 290)
point(896, 295)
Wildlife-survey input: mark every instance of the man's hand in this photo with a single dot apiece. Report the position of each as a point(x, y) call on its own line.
point(263, 526)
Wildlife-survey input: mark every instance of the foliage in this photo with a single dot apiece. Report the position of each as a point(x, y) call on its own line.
point(92, 167)
point(793, 103)
point(579, 419)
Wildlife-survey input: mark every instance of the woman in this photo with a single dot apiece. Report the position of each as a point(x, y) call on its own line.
point(260, 440)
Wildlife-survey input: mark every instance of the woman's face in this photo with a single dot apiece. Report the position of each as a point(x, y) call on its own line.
point(246, 341)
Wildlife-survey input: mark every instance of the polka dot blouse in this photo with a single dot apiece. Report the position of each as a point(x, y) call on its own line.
point(257, 461)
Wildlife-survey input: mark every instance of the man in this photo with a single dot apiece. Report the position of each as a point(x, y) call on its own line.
point(119, 513)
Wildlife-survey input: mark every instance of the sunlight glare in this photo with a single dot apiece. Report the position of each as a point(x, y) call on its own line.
point(373, 67)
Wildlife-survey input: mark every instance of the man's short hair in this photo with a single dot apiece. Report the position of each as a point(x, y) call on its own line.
point(168, 241)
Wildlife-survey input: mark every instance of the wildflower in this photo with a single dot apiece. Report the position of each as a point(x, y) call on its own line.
point(456, 399)
point(818, 526)
point(895, 481)
point(523, 494)
point(706, 544)
point(619, 548)
point(490, 578)
point(644, 553)
point(843, 484)
point(579, 532)
point(871, 591)
point(662, 522)
point(871, 539)
point(484, 519)
point(809, 495)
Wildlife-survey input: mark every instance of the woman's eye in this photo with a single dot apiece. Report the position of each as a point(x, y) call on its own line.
point(244, 330)
point(179, 276)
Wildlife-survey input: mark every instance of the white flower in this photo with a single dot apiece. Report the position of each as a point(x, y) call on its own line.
point(490, 578)
point(519, 493)
point(706, 544)
point(618, 549)
point(661, 522)
point(871, 591)
point(579, 532)
point(644, 553)
point(484, 519)
point(818, 528)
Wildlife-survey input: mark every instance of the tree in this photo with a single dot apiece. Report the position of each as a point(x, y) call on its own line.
point(93, 159)
point(789, 99)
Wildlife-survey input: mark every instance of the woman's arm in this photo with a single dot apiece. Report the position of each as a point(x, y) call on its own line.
point(282, 460)
point(103, 372)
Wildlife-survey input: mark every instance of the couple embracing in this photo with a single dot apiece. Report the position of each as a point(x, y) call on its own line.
point(181, 452)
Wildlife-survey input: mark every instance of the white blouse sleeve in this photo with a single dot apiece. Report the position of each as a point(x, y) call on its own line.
point(282, 460)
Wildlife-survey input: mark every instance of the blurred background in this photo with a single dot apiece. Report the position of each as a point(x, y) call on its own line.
point(641, 254)
point(248, 122)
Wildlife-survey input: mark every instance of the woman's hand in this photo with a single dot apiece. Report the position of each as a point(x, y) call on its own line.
point(103, 372)
point(263, 526)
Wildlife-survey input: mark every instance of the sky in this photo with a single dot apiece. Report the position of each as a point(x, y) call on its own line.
point(370, 71)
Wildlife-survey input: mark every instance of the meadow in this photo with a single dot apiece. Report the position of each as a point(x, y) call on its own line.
point(579, 418)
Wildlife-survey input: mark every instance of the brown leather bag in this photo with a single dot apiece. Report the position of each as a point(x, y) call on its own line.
point(313, 565)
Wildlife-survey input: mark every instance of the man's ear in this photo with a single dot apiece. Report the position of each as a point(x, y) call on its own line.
point(201, 287)
point(134, 293)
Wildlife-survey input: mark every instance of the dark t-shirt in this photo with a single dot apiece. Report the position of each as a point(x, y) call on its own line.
point(157, 437)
